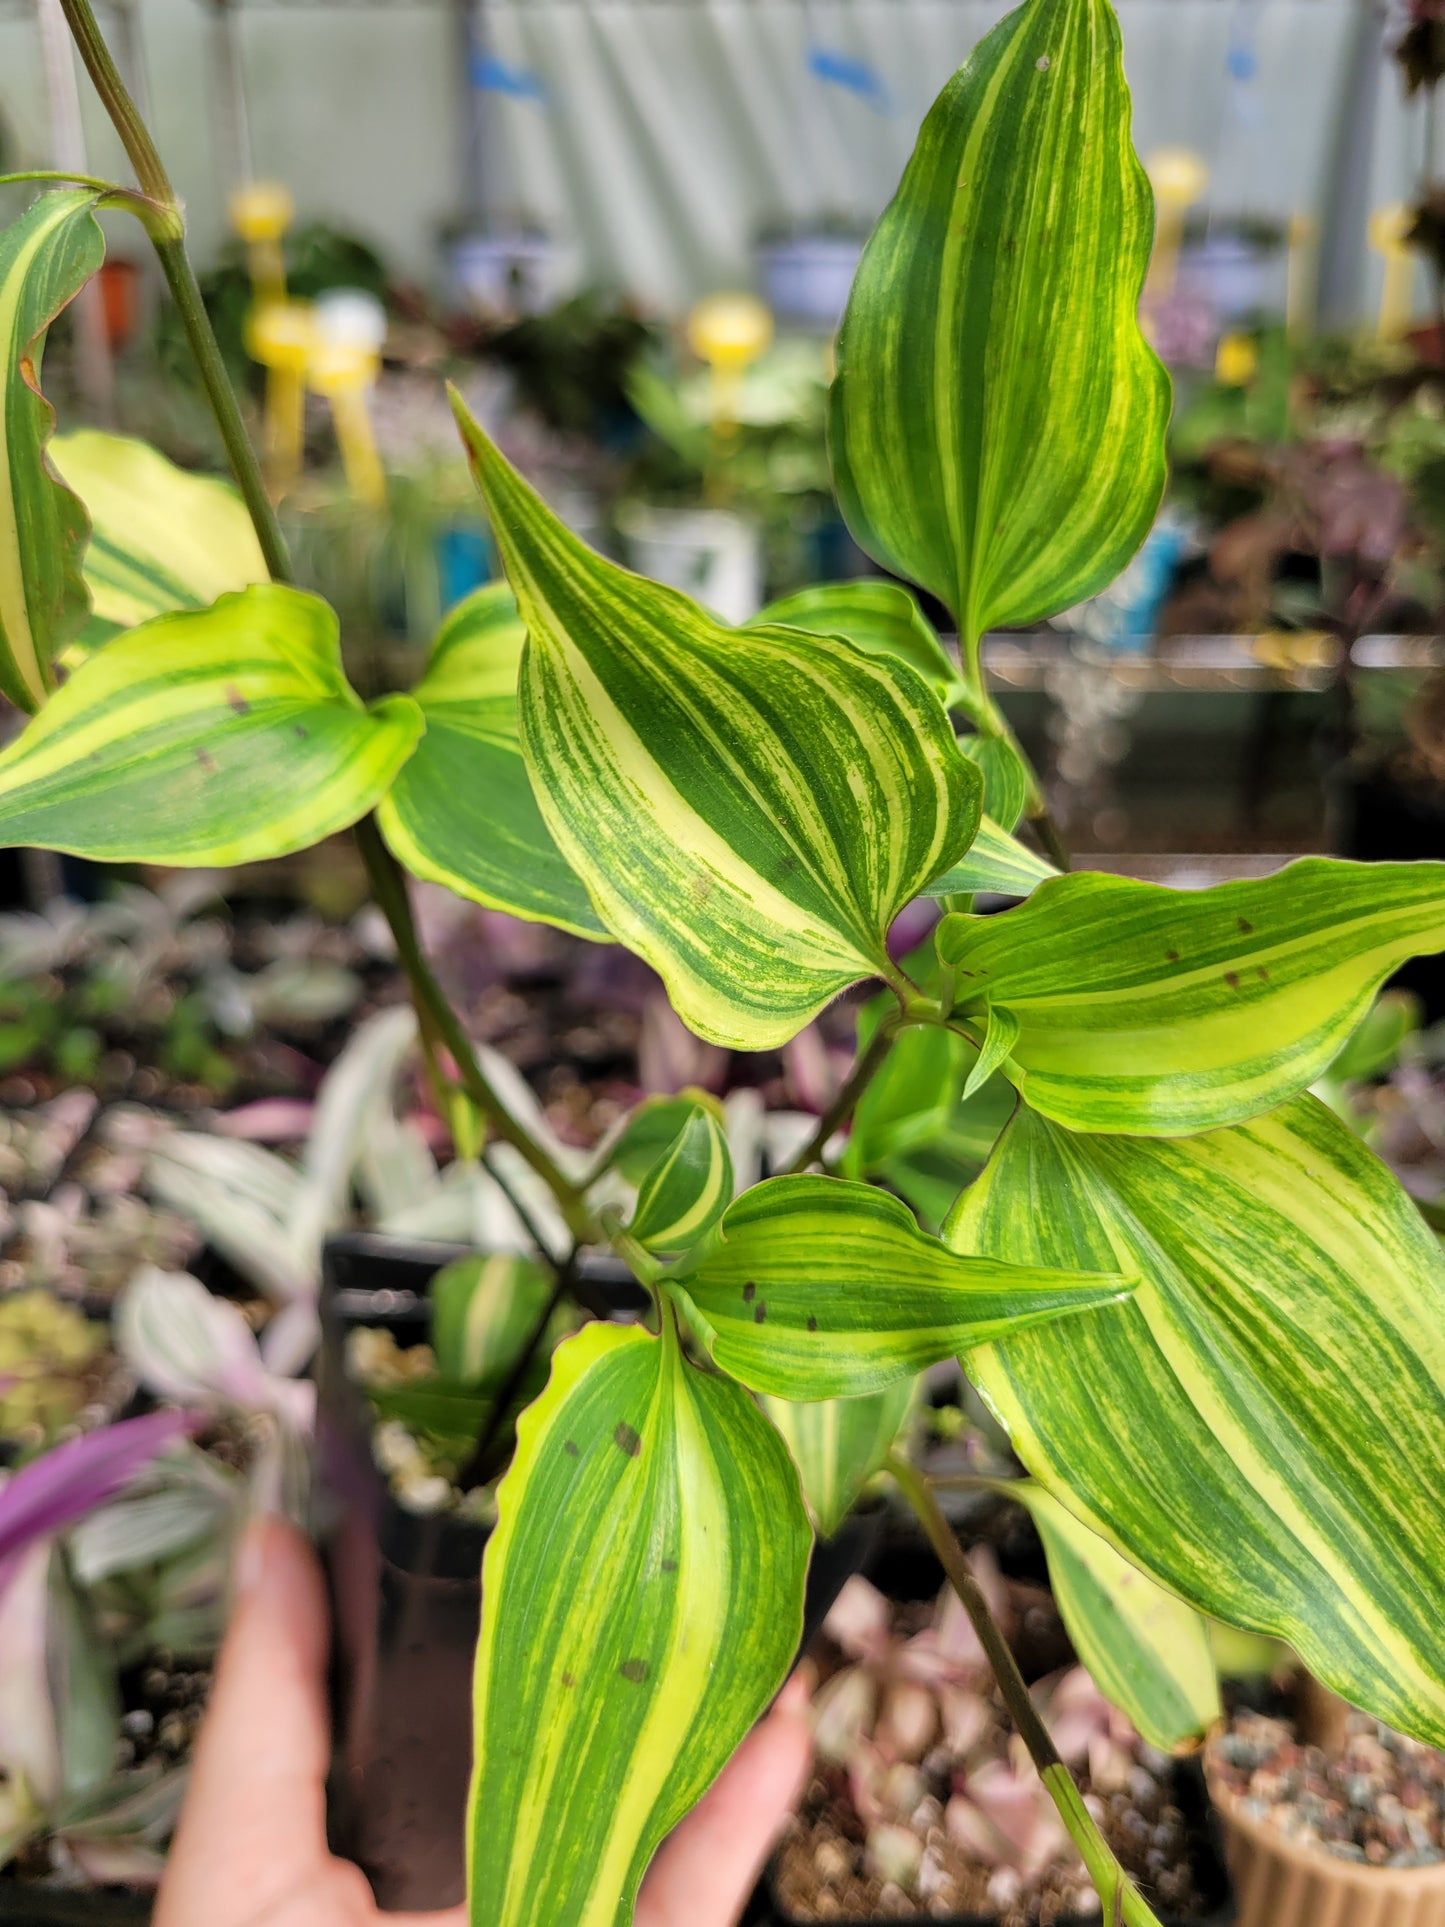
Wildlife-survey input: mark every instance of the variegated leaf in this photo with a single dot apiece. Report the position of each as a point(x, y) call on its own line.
point(839, 1443)
point(997, 424)
point(46, 257)
point(209, 738)
point(462, 812)
point(484, 1311)
point(161, 538)
point(879, 617)
point(1146, 1009)
point(997, 864)
point(1261, 1426)
point(1007, 781)
point(1146, 1650)
point(642, 1600)
point(686, 1192)
point(748, 808)
point(822, 1288)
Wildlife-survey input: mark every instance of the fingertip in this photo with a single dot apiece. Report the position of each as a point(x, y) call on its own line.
point(279, 1581)
point(797, 1693)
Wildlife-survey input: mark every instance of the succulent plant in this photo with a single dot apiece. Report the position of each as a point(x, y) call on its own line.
point(49, 1354)
point(941, 1791)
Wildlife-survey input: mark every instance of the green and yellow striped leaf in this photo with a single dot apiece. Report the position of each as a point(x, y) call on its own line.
point(748, 808)
point(686, 1192)
point(996, 863)
point(881, 618)
point(1146, 1650)
point(997, 422)
point(484, 1311)
point(1159, 1011)
point(839, 1443)
point(161, 539)
point(46, 257)
point(822, 1288)
point(642, 1600)
point(650, 1128)
point(462, 812)
point(1006, 780)
point(209, 738)
point(1261, 1426)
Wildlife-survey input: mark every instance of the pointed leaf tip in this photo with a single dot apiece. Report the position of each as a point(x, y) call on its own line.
point(747, 808)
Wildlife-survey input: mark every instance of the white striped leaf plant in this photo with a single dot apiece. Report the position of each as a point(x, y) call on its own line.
point(1210, 1320)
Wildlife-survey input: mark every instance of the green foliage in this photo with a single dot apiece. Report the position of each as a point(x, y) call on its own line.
point(203, 738)
point(825, 1289)
point(461, 812)
point(1279, 1371)
point(839, 1443)
point(484, 1313)
point(683, 1196)
point(160, 539)
point(1208, 1318)
point(45, 257)
point(1147, 1651)
point(997, 422)
point(644, 1592)
point(1132, 1007)
point(748, 808)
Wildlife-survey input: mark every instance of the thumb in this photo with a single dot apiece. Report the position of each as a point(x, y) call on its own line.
point(710, 1863)
point(253, 1823)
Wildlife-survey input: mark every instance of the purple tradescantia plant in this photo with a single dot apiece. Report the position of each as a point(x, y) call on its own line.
point(72, 1479)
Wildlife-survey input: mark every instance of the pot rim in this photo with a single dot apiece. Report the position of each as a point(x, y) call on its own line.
point(1267, 1839)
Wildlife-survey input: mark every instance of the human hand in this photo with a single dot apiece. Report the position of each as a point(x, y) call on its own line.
point(251, 1847)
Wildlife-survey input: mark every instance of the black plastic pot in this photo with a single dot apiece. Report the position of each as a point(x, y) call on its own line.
point(30, 1905)
point(406, 1593)
point(1206, 1852)
point(904, 1567)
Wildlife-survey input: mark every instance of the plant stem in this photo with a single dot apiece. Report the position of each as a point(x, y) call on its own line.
point(388, 884)
point(167, 229)
point(186, 293)
point(1121, 1900)
point(991, 721)
point(864, 1070)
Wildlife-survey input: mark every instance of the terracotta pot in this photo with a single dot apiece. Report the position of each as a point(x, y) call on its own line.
point(120, 298)
point(1281, 1883)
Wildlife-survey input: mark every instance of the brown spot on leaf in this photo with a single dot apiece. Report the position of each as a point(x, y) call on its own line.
point(572, 1449)
point(203, 758)
point(236, 700)
point(568, 1680)
point(626, 1439)
point(750, 1292)
point(812, 1323)
point(669, 1565)
point(761, 1313)
point(1171, 956)
point(301, 730)
point(634, 1669)
point(1245, 925)
point(1231, 977)
point(1262, 974)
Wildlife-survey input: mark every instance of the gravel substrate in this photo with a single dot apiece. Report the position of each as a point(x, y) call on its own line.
point(1380, 1799)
